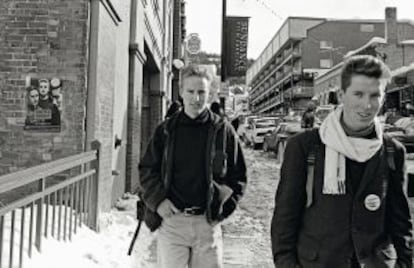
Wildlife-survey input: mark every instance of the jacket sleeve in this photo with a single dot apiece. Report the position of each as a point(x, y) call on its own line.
point(398, 216)
point(289, 204)
point(236, 178)
point(151, 186)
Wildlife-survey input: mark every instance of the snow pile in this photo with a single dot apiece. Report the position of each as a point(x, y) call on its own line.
point(373, 42)
point(106, 249)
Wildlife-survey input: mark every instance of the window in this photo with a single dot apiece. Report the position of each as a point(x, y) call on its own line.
point(325, 63)
point(367, 28)
point(326, 44)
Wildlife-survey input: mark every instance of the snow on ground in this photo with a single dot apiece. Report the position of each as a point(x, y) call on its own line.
point(106, 249)
point(88, 249)
point(246, 233)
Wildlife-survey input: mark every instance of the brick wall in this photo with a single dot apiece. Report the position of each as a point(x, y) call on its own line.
point(350, 38)
point(408, 54)
point(41, 39)
point(395, 57)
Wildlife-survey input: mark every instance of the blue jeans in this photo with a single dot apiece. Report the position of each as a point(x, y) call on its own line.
point(189, 241)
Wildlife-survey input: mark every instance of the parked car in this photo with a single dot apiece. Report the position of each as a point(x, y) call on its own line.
point(275, 141)
point(241, 131)
point(257, 129)
point(403, 131)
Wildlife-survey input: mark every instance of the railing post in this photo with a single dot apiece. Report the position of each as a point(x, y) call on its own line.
point(39, 216)
point(94, 205)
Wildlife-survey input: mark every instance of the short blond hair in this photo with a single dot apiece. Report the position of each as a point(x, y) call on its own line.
point(195, 70)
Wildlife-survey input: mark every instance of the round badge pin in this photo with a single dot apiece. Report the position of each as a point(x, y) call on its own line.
point(372, 202)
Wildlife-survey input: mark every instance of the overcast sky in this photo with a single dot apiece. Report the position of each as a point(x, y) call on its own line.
point(266, 16)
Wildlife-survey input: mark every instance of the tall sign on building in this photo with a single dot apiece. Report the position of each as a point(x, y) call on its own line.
point(235, 45)
point(193, 43)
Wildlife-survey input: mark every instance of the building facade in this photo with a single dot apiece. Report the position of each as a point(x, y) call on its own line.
point(395, 47)
point(107, 67)
point(281, 79)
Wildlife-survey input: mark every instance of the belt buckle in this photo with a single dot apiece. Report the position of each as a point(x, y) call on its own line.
point(189, 211)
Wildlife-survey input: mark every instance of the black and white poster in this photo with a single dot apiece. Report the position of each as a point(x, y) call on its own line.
point(43, 104)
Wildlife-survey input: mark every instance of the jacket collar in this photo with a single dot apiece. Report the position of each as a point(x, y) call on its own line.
point(171, 122)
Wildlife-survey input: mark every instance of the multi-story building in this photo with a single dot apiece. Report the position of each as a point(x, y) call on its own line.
point(281, 78)
point(395, 47)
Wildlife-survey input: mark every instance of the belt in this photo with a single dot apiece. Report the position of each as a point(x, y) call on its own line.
point(192, 211)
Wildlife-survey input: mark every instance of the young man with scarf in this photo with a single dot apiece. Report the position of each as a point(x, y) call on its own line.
point(192, 176)
point(356, 213)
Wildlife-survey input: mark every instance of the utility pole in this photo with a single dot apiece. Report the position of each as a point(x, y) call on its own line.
point(223, 72)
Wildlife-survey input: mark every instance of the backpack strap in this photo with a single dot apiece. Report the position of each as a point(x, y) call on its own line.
point(224, 138)
point(311, 158)
point(310, 176)
point(389, 150)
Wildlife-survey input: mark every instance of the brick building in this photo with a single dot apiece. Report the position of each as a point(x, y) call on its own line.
point(302, 49)
point(395, 47)
point(109, 63)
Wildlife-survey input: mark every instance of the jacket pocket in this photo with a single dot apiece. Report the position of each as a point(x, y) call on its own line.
point(387, 252)
point(308, 248)
point(152, 220)
point(385, 256)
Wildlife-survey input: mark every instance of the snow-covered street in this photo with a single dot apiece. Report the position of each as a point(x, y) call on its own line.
point(246, 232)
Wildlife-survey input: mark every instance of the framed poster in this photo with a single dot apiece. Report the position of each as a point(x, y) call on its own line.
point(43, 104)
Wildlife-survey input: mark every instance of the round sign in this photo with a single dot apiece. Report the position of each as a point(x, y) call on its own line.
point(193, 44)
point(372, 202)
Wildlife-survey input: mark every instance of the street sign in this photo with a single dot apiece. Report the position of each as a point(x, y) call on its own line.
point(193, 43)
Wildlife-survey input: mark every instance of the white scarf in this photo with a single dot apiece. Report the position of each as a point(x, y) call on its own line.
point(339, 146)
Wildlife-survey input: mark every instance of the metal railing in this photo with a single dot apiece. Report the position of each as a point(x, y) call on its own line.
point(56, 207)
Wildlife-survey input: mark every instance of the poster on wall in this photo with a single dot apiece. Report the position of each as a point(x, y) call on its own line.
point(43, 104)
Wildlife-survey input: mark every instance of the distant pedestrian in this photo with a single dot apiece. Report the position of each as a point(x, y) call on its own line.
point(333, 97)
point(216, 108)
point(192, 177)
point(351, 211)
point(308, 117)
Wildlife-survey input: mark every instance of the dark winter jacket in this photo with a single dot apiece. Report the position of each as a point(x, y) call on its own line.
point(338, 230)
point(224, 188)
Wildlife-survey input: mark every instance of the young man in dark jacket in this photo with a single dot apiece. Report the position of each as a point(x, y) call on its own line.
point(192, 176)
point(354, 213)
